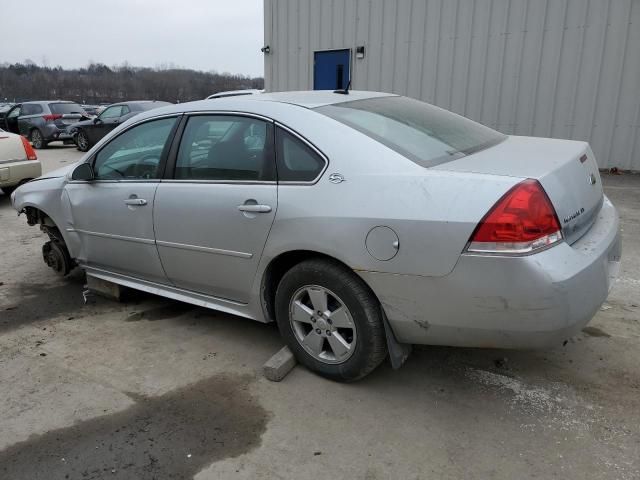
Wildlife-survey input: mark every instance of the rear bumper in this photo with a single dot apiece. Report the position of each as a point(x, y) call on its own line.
point(52, 133)
point(12, 174)
point(532, 301)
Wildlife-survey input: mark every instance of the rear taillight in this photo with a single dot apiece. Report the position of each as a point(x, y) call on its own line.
point(522, 221)
point(28, 149)
point(51, 117)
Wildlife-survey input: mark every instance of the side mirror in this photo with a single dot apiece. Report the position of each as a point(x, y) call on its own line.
point(83, 172)
point(96, 120)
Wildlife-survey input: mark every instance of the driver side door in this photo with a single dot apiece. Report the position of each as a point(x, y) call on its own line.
point(104, 123)
point(113, 214)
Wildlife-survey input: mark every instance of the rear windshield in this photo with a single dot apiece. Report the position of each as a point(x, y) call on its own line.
point(423, 133)
point(65, 108)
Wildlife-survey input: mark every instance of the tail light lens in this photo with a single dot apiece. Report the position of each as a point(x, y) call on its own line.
point(28, 149)
point(522, 221)
point(52, 117)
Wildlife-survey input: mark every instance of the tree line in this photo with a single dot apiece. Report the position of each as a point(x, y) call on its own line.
point(99, 83)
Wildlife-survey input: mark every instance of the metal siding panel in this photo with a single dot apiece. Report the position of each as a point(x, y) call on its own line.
point(359, 80)
point(621, 144)
point(268, 67)
point(461, 57)
point(567, 70)
point(326, 24)
point(387, 65)
point(402, 47)
point(416, 48)
point(430, 63)
point(549, 61)
point(338, 23)
point(374, 80)
point(611, 75)
point(530, 59)
point(445, 53)
point(632, 149)
point(492, 93)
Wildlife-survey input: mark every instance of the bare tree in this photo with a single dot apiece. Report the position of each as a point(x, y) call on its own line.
point(99, 83)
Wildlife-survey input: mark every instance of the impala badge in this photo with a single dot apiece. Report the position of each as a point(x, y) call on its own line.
point(592, 179)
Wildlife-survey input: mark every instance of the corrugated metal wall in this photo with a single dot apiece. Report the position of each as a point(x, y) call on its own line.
point(559, 68)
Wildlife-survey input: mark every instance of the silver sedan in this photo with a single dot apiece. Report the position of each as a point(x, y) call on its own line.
point(361, 223)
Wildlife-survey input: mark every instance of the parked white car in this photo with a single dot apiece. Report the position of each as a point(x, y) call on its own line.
point(18, 161)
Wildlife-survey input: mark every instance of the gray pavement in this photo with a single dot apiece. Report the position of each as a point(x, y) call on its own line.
point(151, 388)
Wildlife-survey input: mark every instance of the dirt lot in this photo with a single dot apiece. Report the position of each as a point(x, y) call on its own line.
point(151, 388)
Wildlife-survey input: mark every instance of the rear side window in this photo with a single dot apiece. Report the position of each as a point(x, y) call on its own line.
point(226, 148)
point(296, 161)
point(31, 109)
point(65, 108)
point(426, 134)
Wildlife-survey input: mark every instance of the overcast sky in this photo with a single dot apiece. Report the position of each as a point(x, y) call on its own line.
point(221, 35)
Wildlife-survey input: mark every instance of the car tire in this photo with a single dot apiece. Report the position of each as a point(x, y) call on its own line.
point(82, 141)
point(37, 139)
point(330, 320)
point(8, 190)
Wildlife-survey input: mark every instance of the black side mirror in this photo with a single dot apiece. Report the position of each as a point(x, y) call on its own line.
point(83, 172)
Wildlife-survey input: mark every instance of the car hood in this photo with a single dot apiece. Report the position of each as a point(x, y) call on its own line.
point(58, 173)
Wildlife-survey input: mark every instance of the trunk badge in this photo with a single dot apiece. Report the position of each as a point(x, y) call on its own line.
point(592, 179)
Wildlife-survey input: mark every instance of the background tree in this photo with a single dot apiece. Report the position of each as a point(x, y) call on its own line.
point(99, 83)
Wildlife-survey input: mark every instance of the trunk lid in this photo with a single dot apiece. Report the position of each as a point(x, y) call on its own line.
point(566, 169)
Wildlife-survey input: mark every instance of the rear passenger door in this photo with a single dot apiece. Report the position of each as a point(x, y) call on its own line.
point(212, 218)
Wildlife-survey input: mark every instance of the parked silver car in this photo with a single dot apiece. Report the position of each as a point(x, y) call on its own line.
point(360, 222)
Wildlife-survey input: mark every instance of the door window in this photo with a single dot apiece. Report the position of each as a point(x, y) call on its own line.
point(136, 153)
point(296, 161)
point(111, 112)
point(14, 113)
point(31, 109)
point(222, 147)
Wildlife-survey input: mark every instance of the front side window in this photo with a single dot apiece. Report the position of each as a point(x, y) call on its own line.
point(296, 161)
point(14, 113)
point(224, 147)
point(111, 112)
point(136, 153)
point(426, 134)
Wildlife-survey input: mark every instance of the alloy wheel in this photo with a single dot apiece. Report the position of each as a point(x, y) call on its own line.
point(322, 324)
point(36, 139)
point(83, 141)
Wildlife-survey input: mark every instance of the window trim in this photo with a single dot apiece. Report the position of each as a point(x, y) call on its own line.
point(169, 176)
point(312, 147)
point(163, 158)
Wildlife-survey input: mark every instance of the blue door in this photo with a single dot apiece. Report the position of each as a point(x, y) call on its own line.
point(331, 70)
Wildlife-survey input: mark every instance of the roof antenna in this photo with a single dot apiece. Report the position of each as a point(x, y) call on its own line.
point(345, 91)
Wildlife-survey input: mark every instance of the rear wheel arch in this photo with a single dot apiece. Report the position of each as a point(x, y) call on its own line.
point(280, 265)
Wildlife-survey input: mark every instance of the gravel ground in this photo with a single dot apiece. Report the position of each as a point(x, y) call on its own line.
point(151, 388)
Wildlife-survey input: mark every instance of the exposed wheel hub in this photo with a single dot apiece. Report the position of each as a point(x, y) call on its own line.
point(56, 257)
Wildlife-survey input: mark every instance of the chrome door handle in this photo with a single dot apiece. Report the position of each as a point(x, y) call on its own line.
point(254, 208)
point(136, 201)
